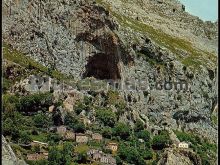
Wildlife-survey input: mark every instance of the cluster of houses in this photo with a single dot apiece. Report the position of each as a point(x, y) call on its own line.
point(77, 137)
point(94, 155)
point(42, 154)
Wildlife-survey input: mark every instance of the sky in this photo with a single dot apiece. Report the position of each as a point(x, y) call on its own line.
point(207, 10)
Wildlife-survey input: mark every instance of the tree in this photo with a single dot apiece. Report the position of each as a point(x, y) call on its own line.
point(79, 128)
point(70, 120)
point(67, 153)
point(160, 141)
point(146, 154)
point(35, 102)
point(130, 155)
point(144, 134)
point(107, 132)
point(42, 120)
point(122, 130)
point(118, 160)
point(106, 116)
point(82, 158)
point(24, 138)
point(53, 137)
point(79, 108)
point(139, 125)
point(54, 156)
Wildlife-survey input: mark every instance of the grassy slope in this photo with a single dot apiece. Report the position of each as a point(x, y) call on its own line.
point(196, 57)
point(26, 62)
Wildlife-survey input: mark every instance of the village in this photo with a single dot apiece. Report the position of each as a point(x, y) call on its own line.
point(80, 138)
point(94, 155)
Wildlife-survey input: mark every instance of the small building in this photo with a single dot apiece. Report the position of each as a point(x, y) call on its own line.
point(97, 137)
point(37, 156)
point(95, 154)
point(92, 151)
point(141, 140)
point(108, 159)
point(70, 135)
point(81, 138)
point(183, 145)
point(61, 130)
point(112, 146)
point(85, 121)
point(38, 143)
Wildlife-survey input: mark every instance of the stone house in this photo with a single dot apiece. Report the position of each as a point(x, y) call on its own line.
point(70, 135)
point(112, 146)
point(81, 138)
point(85, 121)
point(37, 156)
point(38, 143)
point(94, 154)
point(97, 137)
point(61, 130)
point(108, 159)
point(183, 145)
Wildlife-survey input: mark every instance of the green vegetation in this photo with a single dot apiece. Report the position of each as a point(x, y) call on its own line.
point(106, 116)
point(130, 154)
point(122, 130)
point(33, 66)
point(161, 141)
point(42, 120)
point(214, 119)
point(31, 103)
point(200, 146)
point(196, 57)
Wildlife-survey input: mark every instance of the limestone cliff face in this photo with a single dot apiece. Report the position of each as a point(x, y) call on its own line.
point(8, 156)
point(154, 41)
point(183, 157)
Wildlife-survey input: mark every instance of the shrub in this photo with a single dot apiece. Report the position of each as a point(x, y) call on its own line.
point(107, 132)
point(67, 153)
point(54, 156)
point(82, 158)
point(147, 154)
point(70, 120)
point(144, 134)
point(122, 130)
point(34, 102)
point(24, 138)
point(161, 141)
point(10, 103)
point(130, 155)
point(79, 128)
point(6, 84)
point(42, 120)
point(139, 125)
point(106, 116)
point(53, 137)
point(79, 108)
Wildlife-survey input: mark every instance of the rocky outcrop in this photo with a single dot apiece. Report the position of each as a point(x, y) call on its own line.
point(163, 59)
point(178, 156)
point(8, 156)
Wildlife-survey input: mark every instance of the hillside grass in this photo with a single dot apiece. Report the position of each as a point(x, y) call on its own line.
point(24, 61)
point(195, 57)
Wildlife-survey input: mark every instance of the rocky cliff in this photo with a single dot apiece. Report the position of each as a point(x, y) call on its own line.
point(148, 46)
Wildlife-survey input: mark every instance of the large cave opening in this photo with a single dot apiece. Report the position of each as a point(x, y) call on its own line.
point(102, 66)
